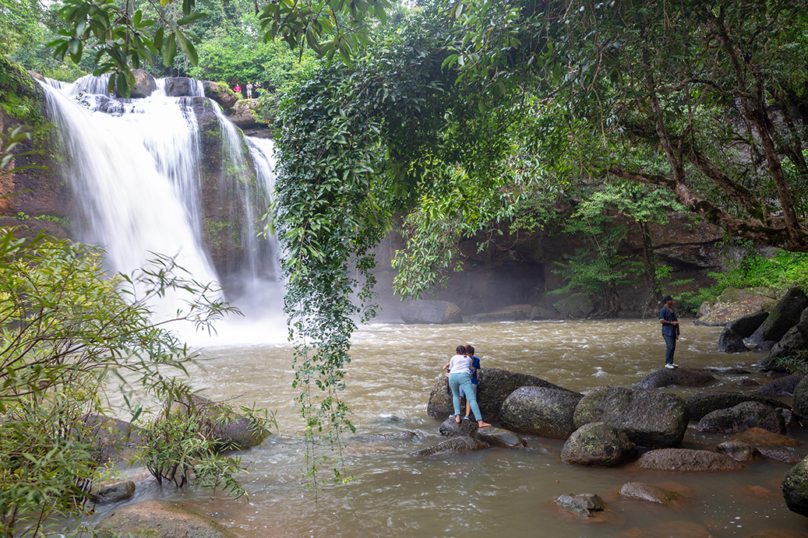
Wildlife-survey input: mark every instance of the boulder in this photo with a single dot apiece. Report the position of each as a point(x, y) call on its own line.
point(541, 411)
point(742, 417)
point(793, 343)
point(500, 437)
point(405, 435)
point(783, 386)
point(683, 377)
point(515, 312)
point(649, 418)
point(731, 342)
point(465, 428)
point(242, 114)
point(795, 488)
point(232, 430)
point(543, 312)
point(112, 493)
point(183, 87)
point(650, 493)
point(114, 439)
point(706, 402)
point(432, 312)
point(682, 459)
point(578, 305)
point(734, 305)
point(747, 325)
point(582, 504)
point(759, 436)
point(779, 454)
point(740, 451)
point(746, 382)
point(221, 93)
point(456, 445)
point(801, 398)
point(165, 519)
point(784, 315)
point(597, 444)
point(494, 386)
point(145, 85)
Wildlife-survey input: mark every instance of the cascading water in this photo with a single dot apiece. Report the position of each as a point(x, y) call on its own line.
point(136, 168)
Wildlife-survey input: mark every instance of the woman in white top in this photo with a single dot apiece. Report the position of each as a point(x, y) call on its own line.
point(460, 376)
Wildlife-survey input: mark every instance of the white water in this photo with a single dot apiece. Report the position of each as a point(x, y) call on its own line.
point(135, 166)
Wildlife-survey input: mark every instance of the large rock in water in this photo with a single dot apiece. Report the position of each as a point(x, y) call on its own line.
point(495, 385)
point(792, 343)
point(734, 305)
point(232, 431)
point(145, 85)
point(164, 519)
point(747, 325)
point(220, 93)
point(683, 377)
point(742, 417)
point(500, 437)
point(597, 444)
point(514, 312)
point(795, 488)
point(540, 411)
point(455, 445)
point(731, 342)
point(183, 87)
point(781, 387)
point(649, 418)
point(740, 451)
point(707, 402)
point(784, 315)
point(682, 459)
point(435, 312)
point(464, 428)
point(113, 439)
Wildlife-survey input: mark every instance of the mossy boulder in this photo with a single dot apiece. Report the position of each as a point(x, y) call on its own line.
point(703, 403)
point(784, 315)
point(221, 93)
point(164, 519)
point(795, 488)
point(495, 385)
point(597, 444)
point(541, 411)
point(649, 418)
point(431, 312)
point(742, 417)
point(734, 305)
point(794, 342)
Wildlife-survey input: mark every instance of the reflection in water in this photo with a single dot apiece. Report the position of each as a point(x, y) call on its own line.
point(491, 491)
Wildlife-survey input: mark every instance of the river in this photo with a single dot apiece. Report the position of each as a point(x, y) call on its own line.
point(495, 491)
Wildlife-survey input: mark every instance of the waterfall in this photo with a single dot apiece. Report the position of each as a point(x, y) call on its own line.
point(136, 166)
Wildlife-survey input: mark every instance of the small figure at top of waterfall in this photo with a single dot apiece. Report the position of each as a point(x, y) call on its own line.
point(459, 368)
point(670, 330)
point(249, 90)
point(237, 89)
point(475, 365)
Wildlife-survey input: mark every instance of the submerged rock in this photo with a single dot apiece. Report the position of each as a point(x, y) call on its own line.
point(112, 493)
point(465, 428)
point(650, 493)
point(779, 454)
point(165, 519)
point(683, 377)
point(500, 437)
point(582, 504)
point(649, 418)
point(746, 382)
point(456, 445)
point(759, 436)
point(541, 411)
point(784, 315)
point(706, 402)
point(431, 312)
point(682, 459)
point(495, 385)
point(742, 417)
point(597, 444)
point(731, 342)
point(740, 451)
point(795, 488)
point(783, 386)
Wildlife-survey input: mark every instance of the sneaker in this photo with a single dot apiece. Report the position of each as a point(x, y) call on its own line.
point(670, 365)
point(675, 365)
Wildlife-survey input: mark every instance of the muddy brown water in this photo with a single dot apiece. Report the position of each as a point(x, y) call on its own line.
point(492, 492)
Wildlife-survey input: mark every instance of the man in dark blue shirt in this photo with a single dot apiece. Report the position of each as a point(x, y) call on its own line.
point(670, 330)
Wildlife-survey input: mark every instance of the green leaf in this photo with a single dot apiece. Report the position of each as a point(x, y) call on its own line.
point(169, 50)
point(187, 47)
point(188, 19)
point(158, 38)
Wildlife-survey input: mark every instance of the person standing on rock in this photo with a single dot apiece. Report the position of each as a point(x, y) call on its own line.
point(249, 90)
point(475, 365)
point(237, 89)
point(670, 330)
point(459, 376)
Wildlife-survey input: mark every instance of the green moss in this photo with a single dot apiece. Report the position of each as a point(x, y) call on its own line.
point(20, 96)
point(212, 233)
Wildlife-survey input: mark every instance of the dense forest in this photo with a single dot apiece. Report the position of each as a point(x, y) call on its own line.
point(467, 120)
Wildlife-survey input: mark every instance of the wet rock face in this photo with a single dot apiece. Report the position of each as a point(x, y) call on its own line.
point(759, 436)
point(682, 377)
point(432, 312)
point(541, 411)
point(119, 491)
point(781, 387)
point(180, 87)
point(731, 342)
point(164, 519)
point(795, 488)
point(743, 417)
point(649, 418)
point(801, 398)
point(650, 493)
point(456, 445)
point(582, 504)
point(145, 85)
point(747, 325)
point(500, 437)
point(793, 342)
point(707, 402)
point(220, 93)
point(784, 315)
point(495, 385)
point(681, 459)
point(597, 444)
point(465, 428)
point(740, 451)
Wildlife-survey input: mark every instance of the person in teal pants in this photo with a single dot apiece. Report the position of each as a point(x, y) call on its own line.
point(459, 368)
